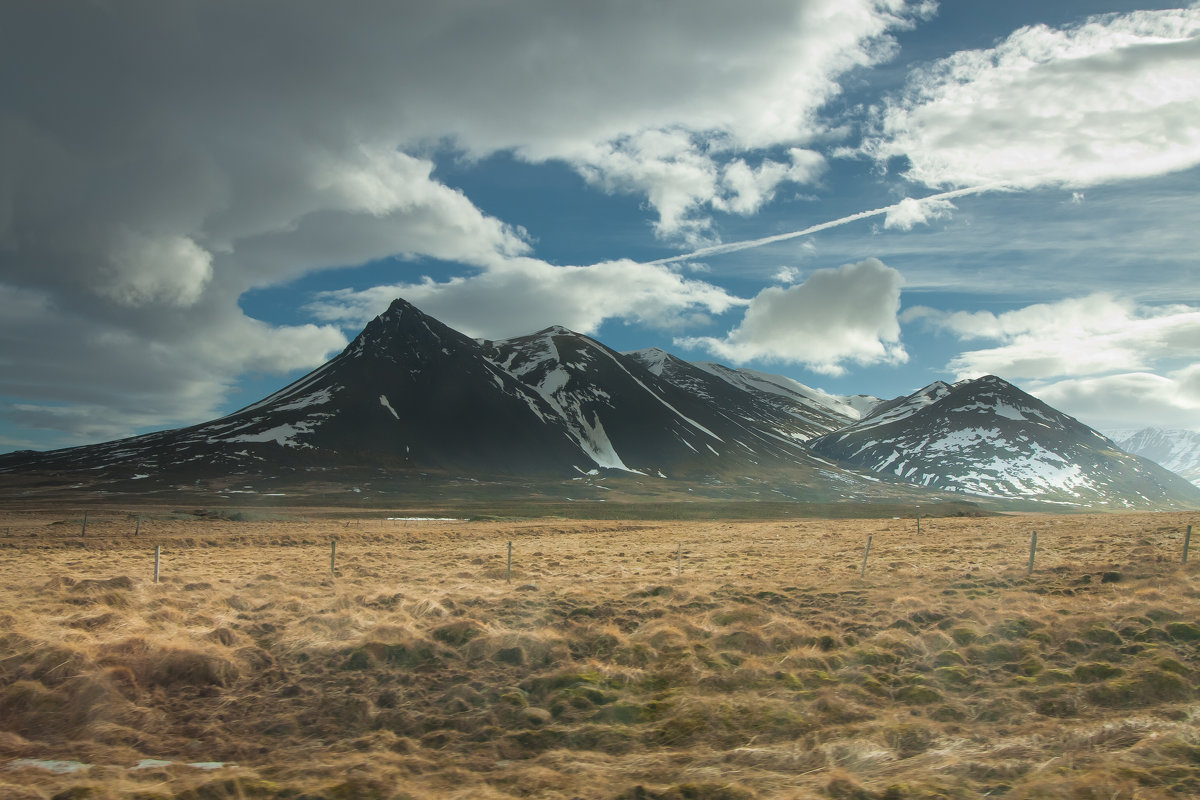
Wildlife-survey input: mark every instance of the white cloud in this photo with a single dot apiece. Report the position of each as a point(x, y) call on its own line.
point(522, 295)
point(747, 189)
point(1089, 335)
point(1111, 362)
point(847, 314)
point(1113, 98)
point(787, 275)
point(173, 270)
point(910, 212)
point(1129, 400)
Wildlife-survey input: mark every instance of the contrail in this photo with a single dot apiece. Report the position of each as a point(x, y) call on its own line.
point(733, 247)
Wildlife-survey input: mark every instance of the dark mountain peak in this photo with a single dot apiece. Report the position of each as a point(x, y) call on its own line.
point(556, 330)
point(405, 329)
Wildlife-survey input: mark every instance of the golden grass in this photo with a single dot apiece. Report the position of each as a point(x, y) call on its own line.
point(769, 669)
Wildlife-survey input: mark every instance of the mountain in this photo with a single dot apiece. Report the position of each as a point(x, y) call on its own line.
point(411, 404)
point(413, 397)
point(1176, 450)
point(988, 438)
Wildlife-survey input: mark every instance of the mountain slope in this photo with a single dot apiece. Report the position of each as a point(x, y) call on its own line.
point(986, 437)
point(407, 392)
point(411, 400)
point(782, 407)
point(1176, 450)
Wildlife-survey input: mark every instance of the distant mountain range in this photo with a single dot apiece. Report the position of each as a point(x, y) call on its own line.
point(1178, 451)
point(411, 399)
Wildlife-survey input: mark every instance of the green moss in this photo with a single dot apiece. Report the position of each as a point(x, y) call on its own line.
point(1142, 688)
point(1171, 665)
point(1102, 635)
point(623, 712)
point(1095, 672)
point(1056, 676)
point(874, 657)
point(1015, 628)
point(963, 636)
point(909, 740)
point(224, 788)
point(956, 676)
point(918, 695)
point(1056, 705)
point(948, 658)
point(358, 659)
point(1028, 666)
point(1183, 631)
point(997, 653)
point(458, 632)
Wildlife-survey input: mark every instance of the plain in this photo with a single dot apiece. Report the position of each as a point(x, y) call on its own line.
point(613, 659)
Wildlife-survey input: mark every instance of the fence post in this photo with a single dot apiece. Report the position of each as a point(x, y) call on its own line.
point(138, 526)
point(863, 571)
point(679, 559)
point(1187, 542)
point(918, 520)
point(508, 574)
point(157, 554)
point(333, 558)
point(1032, 551)
point(83, 530)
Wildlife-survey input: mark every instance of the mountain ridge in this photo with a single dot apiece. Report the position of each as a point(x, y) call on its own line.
point(410, 398)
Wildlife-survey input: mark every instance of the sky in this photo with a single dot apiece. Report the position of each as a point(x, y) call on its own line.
point(202, 200)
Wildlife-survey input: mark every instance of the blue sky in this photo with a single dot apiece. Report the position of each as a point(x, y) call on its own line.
point(201, 201)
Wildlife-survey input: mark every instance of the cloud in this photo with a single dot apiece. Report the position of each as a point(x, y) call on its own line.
point(1113, 98)
point(847, 314)
point(1129, 400)
point(909, 212)
point(1090, 335)
point(522, 295)
point(113, 379)
point(162, 159)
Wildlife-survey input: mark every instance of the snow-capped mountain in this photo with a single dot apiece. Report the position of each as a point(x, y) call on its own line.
point(410, 393)
point(411, 398)
point(1177, 450)
point(986, 437)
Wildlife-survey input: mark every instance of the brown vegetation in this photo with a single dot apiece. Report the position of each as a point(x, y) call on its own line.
point(769, 669)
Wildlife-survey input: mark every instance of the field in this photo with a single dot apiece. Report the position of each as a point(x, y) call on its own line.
point(618, 659)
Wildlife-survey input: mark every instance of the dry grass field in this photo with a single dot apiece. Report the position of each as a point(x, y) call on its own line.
point(768, 668)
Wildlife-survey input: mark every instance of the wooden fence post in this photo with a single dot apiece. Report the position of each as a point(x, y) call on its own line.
point(508, 574)
point(1032, 551)
point(157, 555)
point(138, 526)
point(863, 571)
point(679, 559)
point(333, 558)
point(83, 530)
point(1187, 542)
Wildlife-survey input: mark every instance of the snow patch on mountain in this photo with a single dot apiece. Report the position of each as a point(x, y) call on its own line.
point(284, 435)
point(851, 408)
point(383, 401)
